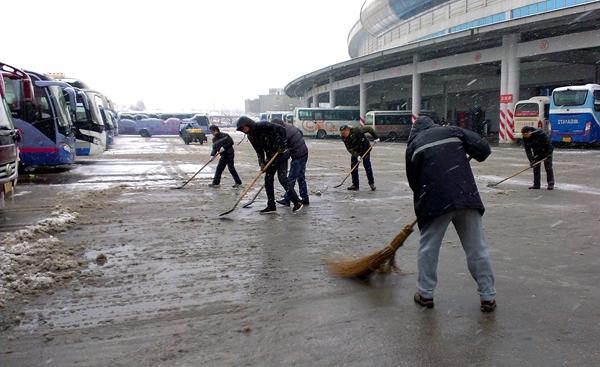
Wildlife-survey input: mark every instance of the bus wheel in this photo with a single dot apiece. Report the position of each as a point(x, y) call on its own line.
point(392, 136)
point(321, 134)
point(145, 133)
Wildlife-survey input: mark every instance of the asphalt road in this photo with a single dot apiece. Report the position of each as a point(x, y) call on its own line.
point(184, 287)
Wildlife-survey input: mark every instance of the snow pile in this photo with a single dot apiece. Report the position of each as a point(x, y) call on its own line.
point(32, 259)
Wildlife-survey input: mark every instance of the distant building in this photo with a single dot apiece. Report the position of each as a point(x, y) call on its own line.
point(276, 100)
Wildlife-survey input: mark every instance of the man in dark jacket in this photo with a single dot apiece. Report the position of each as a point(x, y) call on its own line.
point(223, 143)
point(267, 139)
point(357, 145)
point(444, 189)
point(537, 147)
point(299, 154)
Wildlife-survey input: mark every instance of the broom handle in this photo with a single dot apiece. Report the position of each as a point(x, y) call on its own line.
point(521, 171)
point(195, 174)
point(356, 165)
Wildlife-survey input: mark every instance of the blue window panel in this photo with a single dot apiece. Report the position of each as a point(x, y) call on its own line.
point(560, 4)
point(533, 9)
point(570, 2)
point(541, 7)
point(550, 5)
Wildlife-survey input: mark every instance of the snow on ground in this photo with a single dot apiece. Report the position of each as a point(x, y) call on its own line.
point(32, 258)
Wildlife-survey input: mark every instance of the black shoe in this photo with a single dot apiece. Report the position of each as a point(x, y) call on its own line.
point(236, 185)
point(534, 188)
point(283, 202)
point(214, 185)
point(550, 187)
point(373, 188)
point(488, 306)
point(425, 302)
point(352, 188)
point(305, 202)
point(269, 210)
point(297, 207)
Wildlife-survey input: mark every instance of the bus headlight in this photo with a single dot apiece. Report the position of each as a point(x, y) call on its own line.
point(66, 148)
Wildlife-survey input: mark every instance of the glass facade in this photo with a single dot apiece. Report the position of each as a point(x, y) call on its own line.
point(544, 6)
point(500, 17)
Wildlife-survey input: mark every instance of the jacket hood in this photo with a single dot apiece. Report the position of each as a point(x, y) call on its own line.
point(421, 124)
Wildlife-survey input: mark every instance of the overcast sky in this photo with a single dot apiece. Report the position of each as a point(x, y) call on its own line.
point(179, 54)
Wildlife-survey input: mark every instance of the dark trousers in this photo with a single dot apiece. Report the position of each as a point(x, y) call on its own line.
point(229, 162)
point(297, 173)
point(366, 162)
point(549, 173)
point(280, 168)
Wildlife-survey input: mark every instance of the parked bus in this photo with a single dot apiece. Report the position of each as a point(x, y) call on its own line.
point(532, 112)
point(40, 112)
point(9, 152)
point(395, 124)
point(575, 114)
point(324, 122)
point(89, 127)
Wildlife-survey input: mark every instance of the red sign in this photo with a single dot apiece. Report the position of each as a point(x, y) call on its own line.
point(506, 98)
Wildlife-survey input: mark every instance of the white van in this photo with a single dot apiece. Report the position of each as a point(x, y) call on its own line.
point(532, 112)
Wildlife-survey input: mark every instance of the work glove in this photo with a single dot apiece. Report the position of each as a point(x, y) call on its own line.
point(222, 150)
point(359, 158)
point(377, 140)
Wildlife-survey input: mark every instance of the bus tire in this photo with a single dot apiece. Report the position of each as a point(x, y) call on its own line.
point(392, 136)
point(145, 133)
point(321, 134)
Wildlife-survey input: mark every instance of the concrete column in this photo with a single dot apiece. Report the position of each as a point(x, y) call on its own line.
point(416, 89)
point(362, 97)
point(445, 102)
point(510, 82)
point(315, 96)
point(331, 93)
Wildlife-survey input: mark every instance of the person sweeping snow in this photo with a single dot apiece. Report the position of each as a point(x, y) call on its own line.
point(445, 192)
point(223, 143)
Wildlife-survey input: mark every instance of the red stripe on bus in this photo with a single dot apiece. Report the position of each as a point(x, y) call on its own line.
point(39, 150)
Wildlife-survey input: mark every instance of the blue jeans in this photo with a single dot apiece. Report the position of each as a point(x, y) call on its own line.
point(366, 162)
point(467, 223)
point(297, 172)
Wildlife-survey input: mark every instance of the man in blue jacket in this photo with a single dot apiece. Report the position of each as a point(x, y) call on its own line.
point(299, 155)
point(444, 189)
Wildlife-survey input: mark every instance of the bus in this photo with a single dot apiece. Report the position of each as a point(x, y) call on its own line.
point(324, 122)
point(532, 112)
point(41, 114)
point(393, 125)
point(9, 151)
point(575, 114)
point(89, 127)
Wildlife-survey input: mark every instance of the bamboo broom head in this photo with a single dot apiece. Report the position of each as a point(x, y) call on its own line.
point(367, 265)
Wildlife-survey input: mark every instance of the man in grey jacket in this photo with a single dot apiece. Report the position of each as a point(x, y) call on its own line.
point(299, 154)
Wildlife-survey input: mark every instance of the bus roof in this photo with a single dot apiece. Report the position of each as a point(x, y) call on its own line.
point(578, 87)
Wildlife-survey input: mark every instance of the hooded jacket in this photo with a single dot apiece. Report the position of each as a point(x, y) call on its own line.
point(222, 140)
point(295, 140)
point(357, 143)
point(438, 169)
point(267, 139)
point(537, 146)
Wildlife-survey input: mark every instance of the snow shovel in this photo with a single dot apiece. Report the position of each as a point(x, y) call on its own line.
point(251, 184)
point(494, 184)
point(355, 166)
point(242, 140)
point(247, 205)
point(195, 174)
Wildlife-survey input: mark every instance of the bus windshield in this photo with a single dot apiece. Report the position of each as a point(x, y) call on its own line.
point(570, 97)
point(526, 109)
point(60, 105)
point(5, 118)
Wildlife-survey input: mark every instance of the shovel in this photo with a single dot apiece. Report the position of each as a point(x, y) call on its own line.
point(494, 184)
point(251, 184)
point(195, 174)
point(247, 205)
point(355, 166)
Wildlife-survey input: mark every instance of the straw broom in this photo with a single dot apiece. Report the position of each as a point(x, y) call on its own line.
point(365, 266)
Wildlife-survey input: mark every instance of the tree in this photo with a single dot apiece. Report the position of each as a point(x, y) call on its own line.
point(138, 106)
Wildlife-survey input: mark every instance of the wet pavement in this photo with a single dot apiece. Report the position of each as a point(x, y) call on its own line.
point(184, 287)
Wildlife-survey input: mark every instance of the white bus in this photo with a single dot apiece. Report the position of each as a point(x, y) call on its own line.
point(394, 125)
point(324, 122)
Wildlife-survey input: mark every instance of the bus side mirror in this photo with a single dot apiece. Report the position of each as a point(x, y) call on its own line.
point(597, 105)
point(17, 136)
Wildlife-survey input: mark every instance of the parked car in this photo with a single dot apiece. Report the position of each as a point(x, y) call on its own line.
point(191, 131)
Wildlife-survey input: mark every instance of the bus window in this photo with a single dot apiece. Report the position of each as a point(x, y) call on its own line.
point(60, 105)
point(546, 111)
point(369, 119)
point(570, 97)
point(597, 100)
point(318, 115)
point(393, 120)
point(526, 109)
point(43, 122)
point(305, 115)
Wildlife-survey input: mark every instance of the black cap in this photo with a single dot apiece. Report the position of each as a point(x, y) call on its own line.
point(213, 128)
point(527, 129)
point(244, 121)
point(344, 127)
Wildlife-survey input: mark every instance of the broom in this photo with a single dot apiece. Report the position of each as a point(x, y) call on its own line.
point(365, 266)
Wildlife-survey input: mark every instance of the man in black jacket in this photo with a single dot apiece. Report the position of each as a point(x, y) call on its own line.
point(299, 155)
point(267, 139)
point(223, 143)
point(357, 145)
point(537, 147)
point(444, 190)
